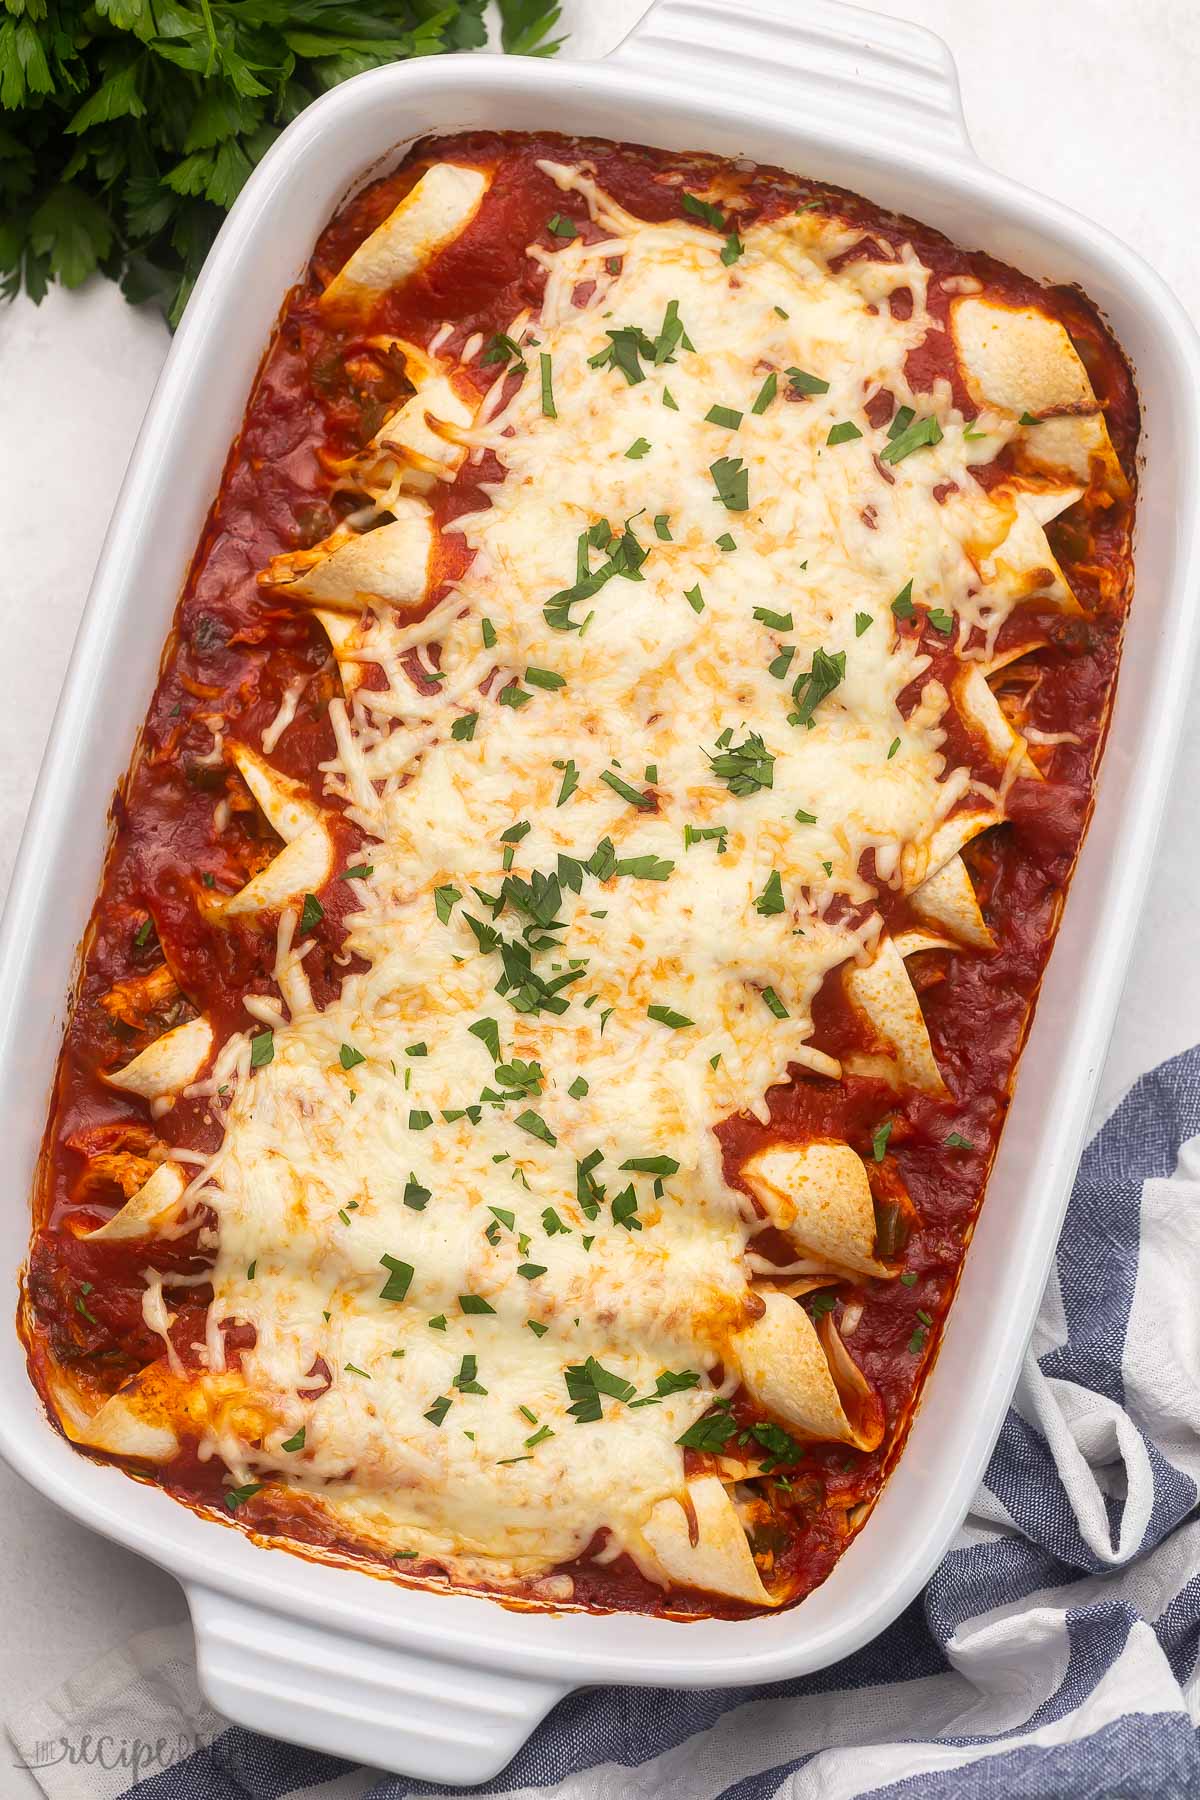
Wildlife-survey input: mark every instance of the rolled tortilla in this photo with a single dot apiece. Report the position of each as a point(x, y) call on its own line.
point(883, 995)
point(947, 900)
point(431, 214)
point(1022, 361)
point(718, 1561)
point(350, 570)
point(167, 1065)
point(809, 1382)
point(982, 712)
point(151, 1206)
point(818, 1195)
point(301, 867)
point(287, 805)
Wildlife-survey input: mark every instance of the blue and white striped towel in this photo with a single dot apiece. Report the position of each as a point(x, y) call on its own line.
point(1054, 1653)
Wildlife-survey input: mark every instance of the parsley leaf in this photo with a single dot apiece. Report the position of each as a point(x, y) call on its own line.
point(129, 130)
point(819, 680)
point(744, 768)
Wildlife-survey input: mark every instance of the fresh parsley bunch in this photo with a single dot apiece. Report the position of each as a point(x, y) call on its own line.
point(128, 127)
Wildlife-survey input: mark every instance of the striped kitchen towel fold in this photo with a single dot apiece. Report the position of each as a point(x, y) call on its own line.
point(1054, 1653)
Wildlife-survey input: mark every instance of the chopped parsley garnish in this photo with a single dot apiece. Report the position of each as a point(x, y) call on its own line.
point(892, 748)
point(916, 1342)
point(548, 679)
point(349, 1057)
point(776, 620)
point(625, 558)
point(669, 400)
point(570, 780)
point(504, 350)
point(699, 834)
point(902, 605)
point(843, 432)
point(294, 1443)
point(359, 872)
point(560, 227)
point(537, 1328)
point(645, 868)
point(438, 1410)
point(901, 422)
point(536, 1126)
point(514, 695)
point(652, 1165)
point(416, 1196)
point(399, 1279)
point(237, 1496)
point(638, 449)
point(141, 936)
point(726, 541)
point(694, 598)
point(732, 249)
point(467, 1379)
point(862, 622)
point(463, 729)
point(487, 632)
point(353, 1369)
point(586, 1382)
point(804, 383)
point(908, 1279)
point(804, 818)
point(418, 1120)
point(942, 621)
point(744, 768)
point(771, 899)
point(1026, 418)
point(662, 527)
point(552, 1225)
point(815, 684)
point(539, 1437)
point(712, 1432)
point(474, 1303)
point(704, 209)
point(780, 665)
point(766, 393)
point(578, 1088)
point(488, 1033)
point(956, 1141)
point(670, 1381)
point(775, 1004)
point(631, 794)
point(731, 481)
point(665, 1015)
point(549, 410)
point(918, 436)
point(723, 415)
point(879, 1141)
point(625, 1209)
point(445, 899)
point(262, 1049)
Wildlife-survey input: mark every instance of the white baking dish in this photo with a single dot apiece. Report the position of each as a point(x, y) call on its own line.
point(449, 1686)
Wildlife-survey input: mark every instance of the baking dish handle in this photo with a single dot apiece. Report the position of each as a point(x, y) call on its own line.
point(827, 61)
point(421, 1714)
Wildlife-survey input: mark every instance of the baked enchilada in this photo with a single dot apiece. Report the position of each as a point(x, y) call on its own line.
point(580, 892)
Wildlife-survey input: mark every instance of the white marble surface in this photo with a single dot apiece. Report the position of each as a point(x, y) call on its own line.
point(1102, 115)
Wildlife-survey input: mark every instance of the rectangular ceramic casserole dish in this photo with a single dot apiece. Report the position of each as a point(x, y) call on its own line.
point(447, 1687)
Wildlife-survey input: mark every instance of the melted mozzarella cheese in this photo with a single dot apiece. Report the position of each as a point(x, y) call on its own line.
point(404, 1224)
